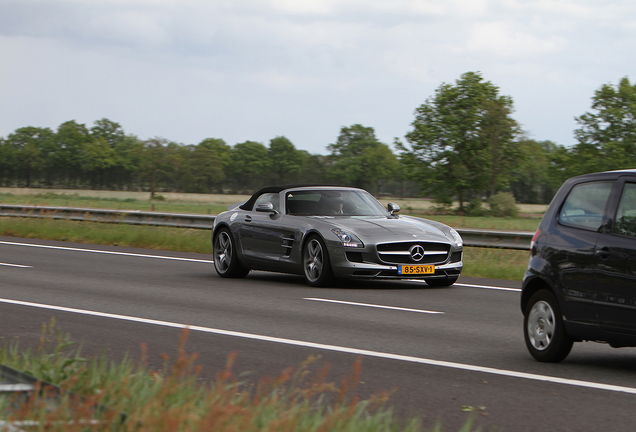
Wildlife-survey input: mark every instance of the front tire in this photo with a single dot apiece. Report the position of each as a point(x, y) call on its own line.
point(316, 264)
point(544, 331)
point(226, 261)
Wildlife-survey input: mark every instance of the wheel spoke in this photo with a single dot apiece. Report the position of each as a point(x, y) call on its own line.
point(313, 260)
point(541, 325)
point(223, 251)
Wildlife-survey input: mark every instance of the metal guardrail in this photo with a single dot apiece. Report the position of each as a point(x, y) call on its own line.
point(472, 237)
point(132, 217)
point(497, 239)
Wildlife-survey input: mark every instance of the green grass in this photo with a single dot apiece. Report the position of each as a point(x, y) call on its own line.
point(493, 263)
point(176, 398)
point(139, 236)
point(76, 200)
point(526, 223)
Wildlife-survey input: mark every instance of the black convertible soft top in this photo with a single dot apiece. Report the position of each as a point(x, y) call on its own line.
point(274, 189)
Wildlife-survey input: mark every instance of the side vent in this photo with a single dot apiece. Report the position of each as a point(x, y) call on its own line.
point(287, 244)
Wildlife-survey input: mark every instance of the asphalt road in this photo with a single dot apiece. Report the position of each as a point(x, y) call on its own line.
point(449, 353)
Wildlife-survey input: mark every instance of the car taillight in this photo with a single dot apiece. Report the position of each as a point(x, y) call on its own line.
point(534, 238)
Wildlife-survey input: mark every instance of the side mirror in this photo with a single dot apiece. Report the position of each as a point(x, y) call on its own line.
point(266, 207)
point(393, 208)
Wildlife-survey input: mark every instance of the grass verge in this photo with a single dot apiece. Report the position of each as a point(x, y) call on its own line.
point(174, 398)
point(478, 262)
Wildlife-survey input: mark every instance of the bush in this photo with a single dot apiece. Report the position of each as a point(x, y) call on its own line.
point(503, 204)
point(474, 208)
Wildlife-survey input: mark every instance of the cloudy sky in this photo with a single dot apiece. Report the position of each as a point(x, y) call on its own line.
point(186, 70)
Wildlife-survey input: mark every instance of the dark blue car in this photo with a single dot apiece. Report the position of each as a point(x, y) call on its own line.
point(581, 279)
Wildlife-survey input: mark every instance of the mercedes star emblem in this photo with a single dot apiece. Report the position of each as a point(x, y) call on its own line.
point(417, 252)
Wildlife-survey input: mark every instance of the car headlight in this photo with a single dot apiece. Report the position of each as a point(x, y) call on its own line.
point(458, 239)
point(347, 239)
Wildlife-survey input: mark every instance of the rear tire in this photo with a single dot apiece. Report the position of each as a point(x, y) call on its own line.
point(226, 261)
point(543, 328)
point(316, 264)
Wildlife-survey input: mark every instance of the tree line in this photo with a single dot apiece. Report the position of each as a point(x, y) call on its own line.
point(464, 146)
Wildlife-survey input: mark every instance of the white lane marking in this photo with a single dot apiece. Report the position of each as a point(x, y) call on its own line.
point(15, 265)
point(474, 286)
point(489, 287)
point(106, 252)
point(377, 354)
point(374, 305)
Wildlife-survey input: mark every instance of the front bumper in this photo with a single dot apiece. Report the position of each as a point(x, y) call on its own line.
point(367, 265)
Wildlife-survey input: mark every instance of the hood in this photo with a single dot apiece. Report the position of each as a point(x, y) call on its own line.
point(401, 229)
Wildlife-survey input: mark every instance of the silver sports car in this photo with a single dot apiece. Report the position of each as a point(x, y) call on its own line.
point(327, 233)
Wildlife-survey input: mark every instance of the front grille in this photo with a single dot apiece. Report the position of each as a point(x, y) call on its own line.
point(399, 253)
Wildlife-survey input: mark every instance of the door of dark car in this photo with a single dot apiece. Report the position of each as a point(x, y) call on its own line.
point(616, 271)
point(257, 237)
point(572, 247)
point(263, 234)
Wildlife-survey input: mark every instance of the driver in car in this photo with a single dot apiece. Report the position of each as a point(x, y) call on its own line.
point(336, 204)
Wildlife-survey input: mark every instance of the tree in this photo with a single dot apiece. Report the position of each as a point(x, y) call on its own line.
point(110, 131)
point(498, 131)
point(607, 136)
point(313, 168)
point(207, 164)
point(7, 162)
point(461, 139)
point(537, 176)
point(249, 165)
point(128, 160)
point(97, 158)
point(286, 162)
point(177, 163)
point(70, 138)
point(31, 150)
point(379, 163)
point(356, 158)
point(155, 161)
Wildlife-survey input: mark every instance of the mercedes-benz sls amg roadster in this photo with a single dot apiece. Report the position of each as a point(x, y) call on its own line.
point(326, 233)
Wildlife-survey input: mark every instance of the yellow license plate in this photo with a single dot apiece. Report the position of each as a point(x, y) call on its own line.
point(416, 269)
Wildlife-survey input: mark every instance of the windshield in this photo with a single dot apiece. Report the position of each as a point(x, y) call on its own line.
point(342, 202)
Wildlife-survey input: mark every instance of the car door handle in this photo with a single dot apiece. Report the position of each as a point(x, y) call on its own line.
point(248, 218)
point(603, 252)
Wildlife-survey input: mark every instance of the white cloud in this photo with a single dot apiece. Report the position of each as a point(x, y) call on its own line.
point(126, 26)
point(506, 40)
point(254, 69)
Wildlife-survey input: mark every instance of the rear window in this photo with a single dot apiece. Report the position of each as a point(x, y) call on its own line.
point(585, 205)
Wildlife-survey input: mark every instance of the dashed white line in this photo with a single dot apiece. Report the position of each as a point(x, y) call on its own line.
point(15, 265)
point(374, 305)
point(377, 354)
